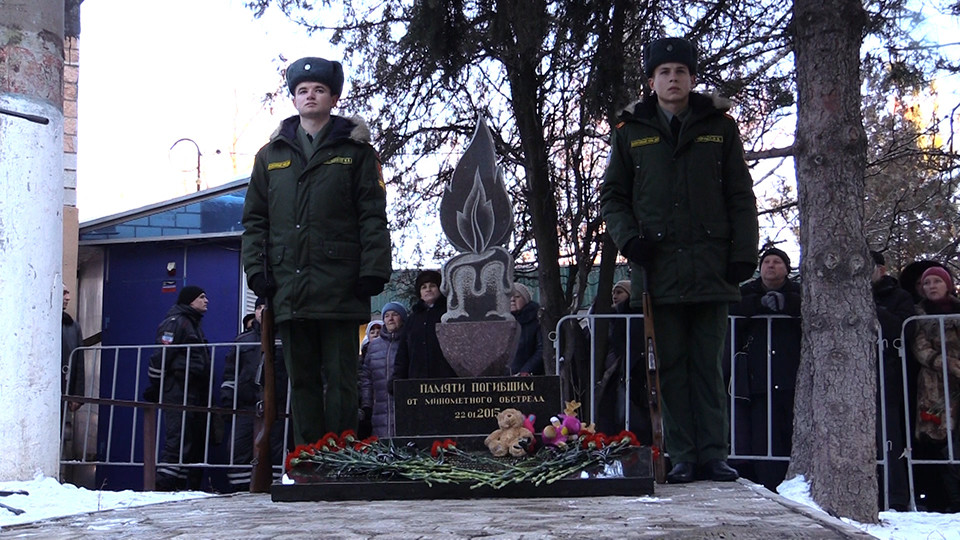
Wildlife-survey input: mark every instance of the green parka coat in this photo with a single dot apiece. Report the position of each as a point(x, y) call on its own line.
point(324, 218)
point(694, 200)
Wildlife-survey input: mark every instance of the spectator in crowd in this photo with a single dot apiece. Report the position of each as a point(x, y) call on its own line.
point(371, 333)
point(911, 277)
point(315, 210)
point(248, 321)
point(773, 293)
point(419, 355)
point(677, 199)
point(72, 379)
point(894, 307)
point(376, 403)
point(71, 371)
point(242, 389)
point(529, 357)
point(612, 394)
point(934, 419)
point(181, 376)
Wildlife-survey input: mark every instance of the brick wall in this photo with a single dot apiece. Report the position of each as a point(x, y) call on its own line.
point(71, 72)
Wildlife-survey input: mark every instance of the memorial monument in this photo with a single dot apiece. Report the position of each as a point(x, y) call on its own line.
point(478, 335)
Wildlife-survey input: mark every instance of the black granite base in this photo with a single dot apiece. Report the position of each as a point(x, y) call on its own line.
point(631, 474)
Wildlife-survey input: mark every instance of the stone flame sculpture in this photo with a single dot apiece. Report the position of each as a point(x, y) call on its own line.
point(478, 334)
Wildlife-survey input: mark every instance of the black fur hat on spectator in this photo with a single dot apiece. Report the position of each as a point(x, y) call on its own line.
point(427, 276)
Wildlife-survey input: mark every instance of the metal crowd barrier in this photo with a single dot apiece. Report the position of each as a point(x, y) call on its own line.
point(951, 458)
point(115, 403)
point(587, 322)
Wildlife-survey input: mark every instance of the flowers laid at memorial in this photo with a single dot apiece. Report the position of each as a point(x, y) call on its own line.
point(345, 456)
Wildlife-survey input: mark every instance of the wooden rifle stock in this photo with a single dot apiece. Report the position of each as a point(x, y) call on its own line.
point(262, 476)
point(653, 383)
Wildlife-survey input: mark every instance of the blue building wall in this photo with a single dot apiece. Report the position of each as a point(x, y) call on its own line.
point(135, 301)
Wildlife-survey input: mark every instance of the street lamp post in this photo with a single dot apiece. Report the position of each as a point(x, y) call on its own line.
point(198, 156)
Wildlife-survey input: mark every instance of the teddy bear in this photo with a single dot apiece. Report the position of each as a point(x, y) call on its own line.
point(507, 439)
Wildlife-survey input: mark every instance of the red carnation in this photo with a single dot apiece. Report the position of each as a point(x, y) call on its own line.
point(346, 438)
point(929, 417)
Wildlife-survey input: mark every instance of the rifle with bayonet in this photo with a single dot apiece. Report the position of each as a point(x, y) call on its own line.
point(653, 383)
point(262, 476)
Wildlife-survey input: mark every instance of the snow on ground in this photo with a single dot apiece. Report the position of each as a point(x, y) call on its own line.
point(47, 498)
point(893, 525)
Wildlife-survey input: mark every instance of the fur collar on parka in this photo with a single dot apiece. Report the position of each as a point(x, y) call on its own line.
point(700, 105)
point(354, 128)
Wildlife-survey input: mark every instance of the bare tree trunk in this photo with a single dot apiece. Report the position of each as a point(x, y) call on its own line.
point(834, 444)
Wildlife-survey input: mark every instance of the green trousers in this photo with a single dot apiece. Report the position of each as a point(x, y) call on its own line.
point(690, 340)
point(321, 358)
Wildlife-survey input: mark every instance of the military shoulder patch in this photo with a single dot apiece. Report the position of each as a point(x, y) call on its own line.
point(166, 338)
point(278, 165)
point(339, 160)
point(710, 138)
point(644, 141)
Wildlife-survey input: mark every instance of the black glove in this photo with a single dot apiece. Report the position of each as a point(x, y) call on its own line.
point(365, 427)
point(262, 285)
point(152, 393)
point(739, 272)
point(368, 286)
point(774, 301)
point(639, 250)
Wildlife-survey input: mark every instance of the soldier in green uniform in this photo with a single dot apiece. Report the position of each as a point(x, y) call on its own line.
point(678, 200)
point(317, 203)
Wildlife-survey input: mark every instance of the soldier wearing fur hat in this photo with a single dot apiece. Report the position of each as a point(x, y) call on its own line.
point(678, 201)
point(317, 201)
point(181, 375)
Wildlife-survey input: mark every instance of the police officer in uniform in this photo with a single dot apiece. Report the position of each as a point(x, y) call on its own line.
point(315, 212)
point(678, 200)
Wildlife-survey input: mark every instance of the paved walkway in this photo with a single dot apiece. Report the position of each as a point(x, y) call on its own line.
point(738, 510)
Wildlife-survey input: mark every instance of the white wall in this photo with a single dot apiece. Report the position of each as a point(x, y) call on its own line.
point(31, 251)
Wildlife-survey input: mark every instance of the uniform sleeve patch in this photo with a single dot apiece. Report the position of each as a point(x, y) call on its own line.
point(339, 160)
point(278, 165)
point(380, 181)
point(644, 141)
point(166, 338)
point(710, 138)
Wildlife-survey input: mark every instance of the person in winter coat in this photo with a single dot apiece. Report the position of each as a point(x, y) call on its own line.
point(181, 376)
point(71, 338)
point(315, 212)
point(419, 355)
point(933, 416)
point(376, 403)
point(612, 395)
point(242, 388)
point(773, 293)
point(72, 379)
point(528, 359)
point(678, 200)
point(894, 307)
